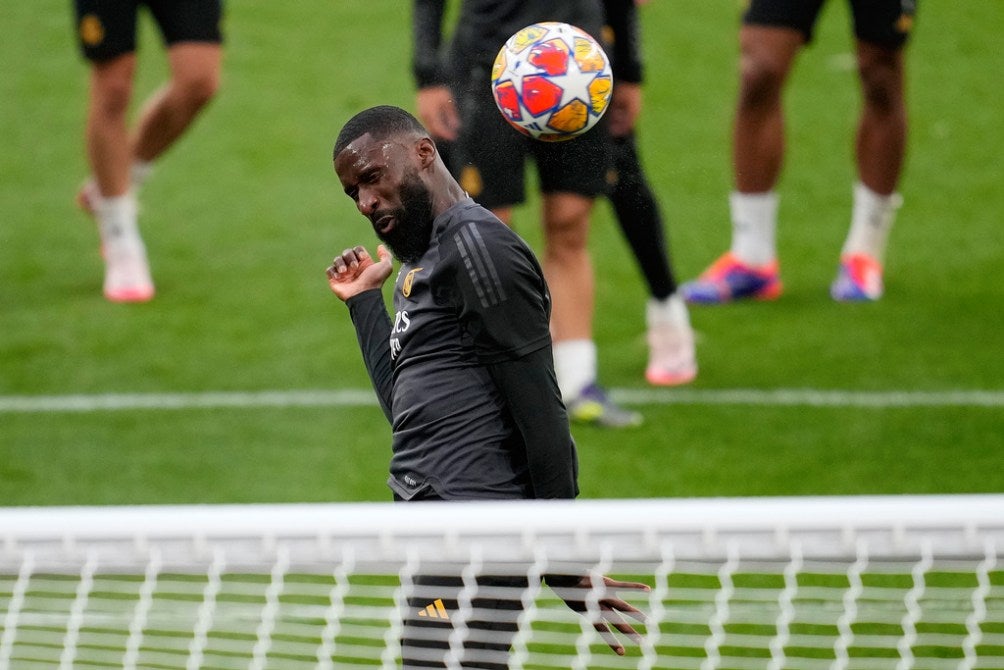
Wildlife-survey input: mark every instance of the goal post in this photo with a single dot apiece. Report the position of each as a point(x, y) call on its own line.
point(865, 582)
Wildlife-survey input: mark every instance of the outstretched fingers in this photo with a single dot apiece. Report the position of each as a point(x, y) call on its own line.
point(614, 613)
point(622, 606)
point(607, 614)
point(608, 637)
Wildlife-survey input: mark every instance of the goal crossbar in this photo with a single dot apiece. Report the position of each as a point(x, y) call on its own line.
point(802, 582)
point(951, 524)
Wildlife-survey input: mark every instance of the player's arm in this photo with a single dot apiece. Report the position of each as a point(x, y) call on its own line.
point(625, 52)
point(625, 57)
point(503, 303)
point(426, 42)
point(434, 102)
point(531, 392)
point(373, 326)
point(357, 279)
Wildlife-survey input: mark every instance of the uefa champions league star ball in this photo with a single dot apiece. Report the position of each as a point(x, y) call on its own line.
point(552, 81)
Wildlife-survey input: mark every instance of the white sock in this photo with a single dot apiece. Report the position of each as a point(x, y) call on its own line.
point(671, 311)
point(871, 221)
point(117, 219)
point(139, 171)
point(754, 226)
point(575, 366)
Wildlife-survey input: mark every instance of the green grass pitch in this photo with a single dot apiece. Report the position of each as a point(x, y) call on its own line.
point(242, 217)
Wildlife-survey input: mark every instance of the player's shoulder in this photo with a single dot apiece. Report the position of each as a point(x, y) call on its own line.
point(491, 239)
point(477, 242)
point(473, 226)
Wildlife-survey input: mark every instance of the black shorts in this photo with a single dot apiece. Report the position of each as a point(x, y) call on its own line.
point(435, 605)
point(491, 155)
point(107, 28)
point(883, 22)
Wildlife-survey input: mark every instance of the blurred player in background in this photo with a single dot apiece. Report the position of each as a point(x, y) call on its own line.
point(463, 372)
point(772, 34)
point(455, 102)
point(121, 156)
point(672, 359)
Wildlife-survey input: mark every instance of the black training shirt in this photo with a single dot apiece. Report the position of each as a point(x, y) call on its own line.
point(464, 368)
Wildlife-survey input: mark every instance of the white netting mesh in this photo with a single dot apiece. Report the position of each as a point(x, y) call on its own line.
point(813, 583)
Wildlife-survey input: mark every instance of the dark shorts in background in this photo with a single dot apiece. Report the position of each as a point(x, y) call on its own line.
point(491, 155)
point(107, 28)
point(883, 22)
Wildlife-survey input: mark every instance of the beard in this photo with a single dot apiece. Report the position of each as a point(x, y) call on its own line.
point(412, 232)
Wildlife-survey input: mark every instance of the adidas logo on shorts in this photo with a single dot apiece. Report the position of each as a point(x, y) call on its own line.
point(435, 610)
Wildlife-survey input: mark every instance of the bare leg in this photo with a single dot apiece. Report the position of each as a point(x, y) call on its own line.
point(568, 269)
point(107, 133)
point(195, 75)
point(758, 131)
point(881, 137)
point(880, 147)
point(569, 273)
point(750, 269)
point(567, 265)
point(127, 274)
point(112, 152)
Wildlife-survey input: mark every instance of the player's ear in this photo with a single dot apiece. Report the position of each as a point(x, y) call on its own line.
point(427, 151)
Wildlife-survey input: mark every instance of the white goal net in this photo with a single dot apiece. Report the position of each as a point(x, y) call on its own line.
point(767, 583)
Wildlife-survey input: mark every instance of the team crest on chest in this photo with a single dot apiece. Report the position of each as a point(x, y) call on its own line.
point(409, 279)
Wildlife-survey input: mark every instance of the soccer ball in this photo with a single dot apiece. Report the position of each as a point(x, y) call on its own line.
point(552, 81)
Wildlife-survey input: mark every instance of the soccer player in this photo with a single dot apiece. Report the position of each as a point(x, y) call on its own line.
point(455, 101)
point(672, 358)
point(463, 370)
point(773, 33)
point(120, 156)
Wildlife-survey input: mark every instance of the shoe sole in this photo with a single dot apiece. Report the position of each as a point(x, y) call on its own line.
point(130, 295)
point(588, 417)
point(862, 297)
point(771, 292)
point(847, 291)
point(766, 294)
point(660, 378)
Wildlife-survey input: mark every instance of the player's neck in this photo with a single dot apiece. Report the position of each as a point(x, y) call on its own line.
point(447, 197)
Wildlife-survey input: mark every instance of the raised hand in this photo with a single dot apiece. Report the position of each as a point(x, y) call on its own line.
point(438, 111)
point(354, 271)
